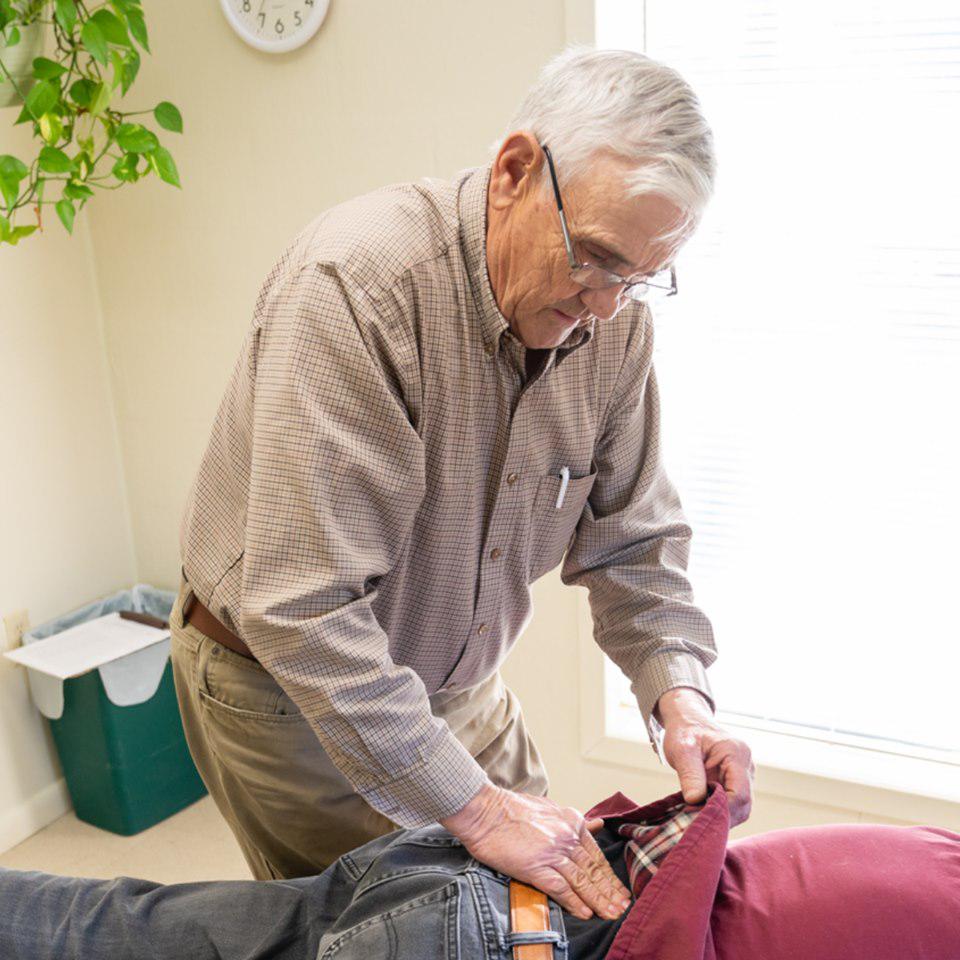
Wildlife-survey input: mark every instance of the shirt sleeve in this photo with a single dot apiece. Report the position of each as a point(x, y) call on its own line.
point(336, 478)
point(631, 547)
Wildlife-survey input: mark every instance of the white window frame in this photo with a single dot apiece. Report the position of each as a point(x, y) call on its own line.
point(791, 762)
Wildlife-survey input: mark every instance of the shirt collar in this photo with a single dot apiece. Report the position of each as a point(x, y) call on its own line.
point(473, 242)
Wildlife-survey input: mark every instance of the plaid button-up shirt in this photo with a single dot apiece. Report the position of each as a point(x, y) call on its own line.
point(383, 482)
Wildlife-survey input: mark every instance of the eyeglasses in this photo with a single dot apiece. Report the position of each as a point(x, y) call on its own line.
point(661, 284)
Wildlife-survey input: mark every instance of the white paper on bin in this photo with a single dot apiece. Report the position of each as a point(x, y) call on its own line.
point(126, 653)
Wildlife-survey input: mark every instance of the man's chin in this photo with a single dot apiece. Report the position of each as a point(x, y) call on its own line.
point(549, 328)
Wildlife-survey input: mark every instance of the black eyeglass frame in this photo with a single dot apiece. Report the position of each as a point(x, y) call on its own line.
point(576, 266)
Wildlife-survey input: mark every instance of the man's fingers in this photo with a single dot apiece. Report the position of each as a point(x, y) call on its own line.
point(693, 776)
point(736, 781)
point(597, 884)
point(606, 875)
point(558, 888)
point(587, 889)
point(594, 824)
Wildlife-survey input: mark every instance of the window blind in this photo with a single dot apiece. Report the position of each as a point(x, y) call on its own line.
point(810, 365)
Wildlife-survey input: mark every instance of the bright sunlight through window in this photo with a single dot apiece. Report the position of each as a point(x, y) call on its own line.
point(810, 366)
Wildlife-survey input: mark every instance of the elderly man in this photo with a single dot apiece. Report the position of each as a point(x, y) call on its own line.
point(447, 388)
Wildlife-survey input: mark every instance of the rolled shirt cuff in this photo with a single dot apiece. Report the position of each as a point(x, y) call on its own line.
point(439, 787)
point(663, 672)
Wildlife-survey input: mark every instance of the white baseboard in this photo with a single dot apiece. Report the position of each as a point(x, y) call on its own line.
point(25, 819)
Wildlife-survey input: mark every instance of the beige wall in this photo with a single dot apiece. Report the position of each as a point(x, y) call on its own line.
point(64, 528)
point(385, 92)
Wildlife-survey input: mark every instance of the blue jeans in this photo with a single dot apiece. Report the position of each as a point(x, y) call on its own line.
point(410, 894)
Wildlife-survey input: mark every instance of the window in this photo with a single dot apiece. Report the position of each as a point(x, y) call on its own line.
point(810, 368)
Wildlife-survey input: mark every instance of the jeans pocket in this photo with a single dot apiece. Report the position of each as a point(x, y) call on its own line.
point(425, 927)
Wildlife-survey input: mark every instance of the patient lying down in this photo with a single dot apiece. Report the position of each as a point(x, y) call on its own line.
point(840, 892)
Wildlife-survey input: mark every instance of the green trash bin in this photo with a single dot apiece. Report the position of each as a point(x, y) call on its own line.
point(117, 727)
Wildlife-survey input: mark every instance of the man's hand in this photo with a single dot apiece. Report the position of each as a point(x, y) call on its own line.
point(701, 751)
point(541, 843)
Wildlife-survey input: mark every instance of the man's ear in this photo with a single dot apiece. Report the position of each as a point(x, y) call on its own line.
point(516, 169)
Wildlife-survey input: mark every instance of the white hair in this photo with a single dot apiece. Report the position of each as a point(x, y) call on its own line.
point(587, 101)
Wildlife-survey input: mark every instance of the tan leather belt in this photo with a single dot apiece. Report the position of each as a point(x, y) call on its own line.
point(196, 614)
point(529, 913)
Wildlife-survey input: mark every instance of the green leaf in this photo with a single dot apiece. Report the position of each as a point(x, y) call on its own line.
point(53, 160)
point(23, 116)
point(94, 41)
point(126, 168)
point(44, 69)
point(12, 168)
point(112, 28)
point(51, 127)
point(75, 190)
point(13, 37)
point(9, 192)
point(4, 228)
point(41, 98)
point(168, 116)
point(130, 70)
point(12, 171)
point(82, 91)
point(17, 233)
point(101, 99)
point(117, 60)
point(134, 138)
point(138, 27)
point(162, 162)
point(66, 213)
point(66, 14)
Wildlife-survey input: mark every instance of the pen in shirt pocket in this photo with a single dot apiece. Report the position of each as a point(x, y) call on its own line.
point(564, 480)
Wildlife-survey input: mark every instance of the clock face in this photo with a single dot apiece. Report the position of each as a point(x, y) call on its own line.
point(275, 26)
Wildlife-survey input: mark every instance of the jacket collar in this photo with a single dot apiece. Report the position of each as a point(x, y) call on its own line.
point(670, 920)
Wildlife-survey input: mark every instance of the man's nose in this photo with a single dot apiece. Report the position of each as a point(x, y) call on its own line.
point(604, 303)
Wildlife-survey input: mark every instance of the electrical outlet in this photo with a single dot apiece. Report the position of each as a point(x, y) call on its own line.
point(15, 624)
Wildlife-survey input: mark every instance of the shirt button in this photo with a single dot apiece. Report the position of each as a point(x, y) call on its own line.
point(482, 629)
point(495, 553)
point(512, 478)
point(488, 349)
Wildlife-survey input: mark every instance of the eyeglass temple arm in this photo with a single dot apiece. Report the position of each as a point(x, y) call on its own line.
point(563, 217)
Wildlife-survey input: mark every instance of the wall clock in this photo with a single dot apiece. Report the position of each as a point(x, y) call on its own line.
point(275, 26)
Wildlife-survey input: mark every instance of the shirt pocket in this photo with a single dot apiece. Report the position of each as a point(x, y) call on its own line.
point(552, 527)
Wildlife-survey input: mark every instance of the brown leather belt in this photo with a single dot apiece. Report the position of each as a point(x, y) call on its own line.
point(196, 614)
point(529, 913)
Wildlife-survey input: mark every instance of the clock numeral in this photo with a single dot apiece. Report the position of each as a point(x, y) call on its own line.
point(278, 26)
point(298, 18)
point(246, 6)
point(263, 19)
point(309, 3)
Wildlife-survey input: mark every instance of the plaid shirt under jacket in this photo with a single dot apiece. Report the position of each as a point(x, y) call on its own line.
point(381, 483)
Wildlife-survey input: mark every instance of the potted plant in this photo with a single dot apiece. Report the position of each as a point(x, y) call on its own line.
point(84, 142)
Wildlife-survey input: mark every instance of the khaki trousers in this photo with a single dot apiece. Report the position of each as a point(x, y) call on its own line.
point(292, 811)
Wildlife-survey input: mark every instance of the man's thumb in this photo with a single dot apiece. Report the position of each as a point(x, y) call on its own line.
point(693, 778)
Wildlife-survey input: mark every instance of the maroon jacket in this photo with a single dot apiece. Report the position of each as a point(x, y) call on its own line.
point(837, 892)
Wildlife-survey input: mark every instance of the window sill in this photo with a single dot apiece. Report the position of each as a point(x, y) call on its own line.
point(825, 774)
point(852, 778)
